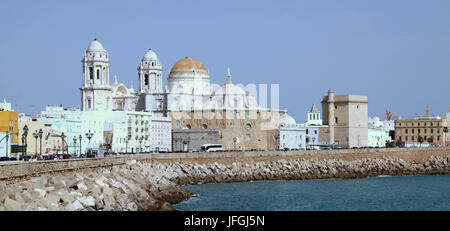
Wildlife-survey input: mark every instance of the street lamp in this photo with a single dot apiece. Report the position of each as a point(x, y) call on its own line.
point(36, 136)
point(127, 139)
point(75, 145)
point(89, 135)
point(140, 143)
point(80, 142)
point(63, 141)
point(40, 140)
point(24, 140)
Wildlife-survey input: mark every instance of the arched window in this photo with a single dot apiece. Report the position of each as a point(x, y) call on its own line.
point(89, 103)
point(205, 126)
point(98, 74)
point(146, 80)
point(188, 126)
point(91, 73)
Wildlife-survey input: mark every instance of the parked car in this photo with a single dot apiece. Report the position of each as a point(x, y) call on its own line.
point(4, 158)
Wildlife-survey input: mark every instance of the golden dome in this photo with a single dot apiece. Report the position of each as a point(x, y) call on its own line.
point(188, 64)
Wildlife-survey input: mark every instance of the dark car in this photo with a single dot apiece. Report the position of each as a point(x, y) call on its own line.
point(4, 158)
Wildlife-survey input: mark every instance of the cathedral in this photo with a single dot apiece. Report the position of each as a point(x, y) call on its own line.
point(189, 99)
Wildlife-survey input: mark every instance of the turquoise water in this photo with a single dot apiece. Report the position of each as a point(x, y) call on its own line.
point(381, 193)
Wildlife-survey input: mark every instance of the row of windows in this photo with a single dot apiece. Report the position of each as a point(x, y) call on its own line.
point(415, 138)
point(424, 130)
point(296, 137)
point(418, 124)
point(307, 132)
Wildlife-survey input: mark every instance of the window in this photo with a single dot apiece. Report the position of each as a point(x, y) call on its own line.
point(438, 138)
point(357, 106)
point(91, 73)
point(306, 131)
point(412, 138)
point(418, 130)
point(412, 131)
point(438, 130)
point(431, 130)
point(98, 74)
point(248, 126)
point(406, 131)
point(205, 126)
point(146, 80)
point(315, 131)
point(335, 106)
point(336, 119)
point(406, 138)
point(425, 131)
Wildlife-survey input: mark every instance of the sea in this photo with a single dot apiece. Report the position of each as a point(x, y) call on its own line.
point(382, 193)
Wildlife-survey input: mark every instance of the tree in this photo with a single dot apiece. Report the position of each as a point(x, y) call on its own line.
point(420, 140)
point(399, 143)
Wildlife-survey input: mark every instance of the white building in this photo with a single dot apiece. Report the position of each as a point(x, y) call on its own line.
point(161, 134)
point(292, 135)
point(313, 123)
point(5, 143)
point(378, 132)
point(5, 106)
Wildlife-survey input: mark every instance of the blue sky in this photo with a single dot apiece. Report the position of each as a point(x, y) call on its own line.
point(395, 52)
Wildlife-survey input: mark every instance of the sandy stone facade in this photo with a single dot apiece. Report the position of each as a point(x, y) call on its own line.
point(347, 118)
point(241, 129)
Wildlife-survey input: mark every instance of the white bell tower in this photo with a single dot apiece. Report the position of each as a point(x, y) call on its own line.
point(95, 89)
point(150, 73)
point(151, 94)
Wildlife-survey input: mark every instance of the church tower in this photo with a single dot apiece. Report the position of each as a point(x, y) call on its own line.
point(151, 95)
point(95, 88)
point(150, 73)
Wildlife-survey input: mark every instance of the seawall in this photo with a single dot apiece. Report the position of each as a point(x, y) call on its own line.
point(152, 181)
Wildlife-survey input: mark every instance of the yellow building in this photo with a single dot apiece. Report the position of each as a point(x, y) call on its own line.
point(34, 145)
point(423, 128)
point(9, 124)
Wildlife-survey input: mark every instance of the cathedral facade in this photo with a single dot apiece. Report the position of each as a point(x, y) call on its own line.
point(189, 99)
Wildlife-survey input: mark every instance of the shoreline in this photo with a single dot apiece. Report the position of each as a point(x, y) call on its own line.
point(150, 185)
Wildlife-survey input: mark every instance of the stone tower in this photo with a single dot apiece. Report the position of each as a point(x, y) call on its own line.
point(331, 119)
point(151, 94)
point(95, 89)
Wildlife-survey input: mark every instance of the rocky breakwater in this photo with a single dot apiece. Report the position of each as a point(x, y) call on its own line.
point(144, 186)
point(130, 187)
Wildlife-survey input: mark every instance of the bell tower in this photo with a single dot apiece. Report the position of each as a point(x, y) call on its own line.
point(95, 88)
point(151, 94)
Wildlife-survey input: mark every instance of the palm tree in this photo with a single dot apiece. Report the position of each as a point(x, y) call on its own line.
point(430, 140)
point(420, 140)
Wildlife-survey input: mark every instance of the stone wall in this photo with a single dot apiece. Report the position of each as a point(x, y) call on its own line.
point(9, 170)
point(152, 182)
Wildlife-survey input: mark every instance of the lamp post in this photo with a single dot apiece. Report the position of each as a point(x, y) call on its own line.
point(63, 141)
point(140, 143)
point(89, 135)
point(80, 142)
point(40, 140)
point(75, 145)
point(36, 136)
point(24, 140)
point(127, 139)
